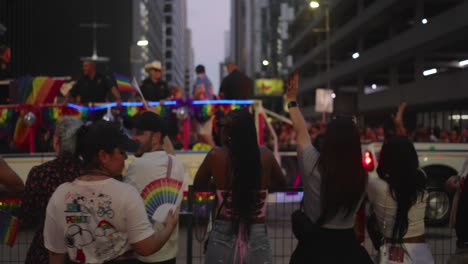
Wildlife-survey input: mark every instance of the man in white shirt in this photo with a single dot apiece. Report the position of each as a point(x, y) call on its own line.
point(153, 163)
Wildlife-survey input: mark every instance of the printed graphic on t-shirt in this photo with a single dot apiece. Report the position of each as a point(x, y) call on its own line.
point(89, 229)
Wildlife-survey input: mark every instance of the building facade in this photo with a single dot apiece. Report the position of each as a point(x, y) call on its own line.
point(148, 24)
point(175, 16)
point(383, 52)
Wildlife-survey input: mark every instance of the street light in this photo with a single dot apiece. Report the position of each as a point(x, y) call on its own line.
point(314, 4)
point(142, 43)
point(265, 62)
point(463, 63)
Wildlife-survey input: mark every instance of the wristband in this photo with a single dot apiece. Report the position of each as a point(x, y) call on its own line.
point(292, 104)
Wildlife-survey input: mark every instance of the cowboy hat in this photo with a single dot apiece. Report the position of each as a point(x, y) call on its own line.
point(153, 65)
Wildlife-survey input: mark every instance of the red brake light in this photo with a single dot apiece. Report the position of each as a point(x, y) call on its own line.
point(368, 161)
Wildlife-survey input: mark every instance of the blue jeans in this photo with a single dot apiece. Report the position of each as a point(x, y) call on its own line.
point(222, 243)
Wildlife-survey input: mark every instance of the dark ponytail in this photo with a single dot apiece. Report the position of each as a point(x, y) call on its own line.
point(246, 166)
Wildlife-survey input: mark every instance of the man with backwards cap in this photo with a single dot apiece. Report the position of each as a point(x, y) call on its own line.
point(153, 163)
point(153, 87)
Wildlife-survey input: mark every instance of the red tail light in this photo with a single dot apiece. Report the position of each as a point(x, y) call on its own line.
point(368, 161)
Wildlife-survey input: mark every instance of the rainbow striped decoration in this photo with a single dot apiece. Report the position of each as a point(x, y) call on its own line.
point(41, 90)
point(204, 112)
point(123, 83)
point(9, 223)
point(9, 226)
point(36, 91)
point(131, 111)
point(160, 195)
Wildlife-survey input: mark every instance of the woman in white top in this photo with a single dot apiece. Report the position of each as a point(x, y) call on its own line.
point(398, 198)
point(334, 183)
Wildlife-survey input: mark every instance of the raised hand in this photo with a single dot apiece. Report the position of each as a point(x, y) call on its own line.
point(292, 86)
point(398, 119)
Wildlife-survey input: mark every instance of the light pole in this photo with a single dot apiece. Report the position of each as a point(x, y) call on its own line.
point(315, 5)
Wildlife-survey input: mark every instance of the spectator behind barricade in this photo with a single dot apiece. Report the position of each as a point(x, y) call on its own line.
point(379, 132)
point(95, 218)
point(236, 85)
point(435, 133)
point(175, 92)
point(459, 214)
point(153, 163)
point(243, 173)
point(154, 88)
point(464, 135)
point(422, 134)
point(398, 197)
point(334, 183)
point(203, 90)
point(444, 136)
point(9, 180)
point(44, 179)
point(370, 135)
point(454, 138)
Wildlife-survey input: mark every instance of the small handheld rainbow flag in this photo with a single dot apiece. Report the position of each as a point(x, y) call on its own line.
point(124, 84)
point(9, 225)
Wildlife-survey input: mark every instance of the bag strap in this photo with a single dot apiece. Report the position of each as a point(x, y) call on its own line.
point(224, 194)
point(169, 166)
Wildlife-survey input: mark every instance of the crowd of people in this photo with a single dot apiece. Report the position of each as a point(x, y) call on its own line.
point(89, 210)
point(287, 135)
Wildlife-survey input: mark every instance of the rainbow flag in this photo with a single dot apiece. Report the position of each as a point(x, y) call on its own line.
point(9, 223)
point(123, 83)
point(36, 91)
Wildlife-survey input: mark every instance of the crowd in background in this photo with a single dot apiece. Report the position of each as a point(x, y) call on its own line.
point(287, 136)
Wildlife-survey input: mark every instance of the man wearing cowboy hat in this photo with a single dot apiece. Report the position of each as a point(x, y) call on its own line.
point(153, 87)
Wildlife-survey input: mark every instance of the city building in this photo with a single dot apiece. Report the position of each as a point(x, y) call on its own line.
point(258, 42)
point(189, 62)
point(175, 15)
point(147, 35)
point(378, 53)
point(259, 31)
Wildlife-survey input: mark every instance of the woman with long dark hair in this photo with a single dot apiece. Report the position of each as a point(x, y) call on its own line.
point(242, 172)
point(334, 183)
point(398, 198)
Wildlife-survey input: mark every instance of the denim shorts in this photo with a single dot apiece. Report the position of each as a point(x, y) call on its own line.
point(222, 241)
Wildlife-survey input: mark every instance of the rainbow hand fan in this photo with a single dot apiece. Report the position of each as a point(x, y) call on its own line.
point(160, 196)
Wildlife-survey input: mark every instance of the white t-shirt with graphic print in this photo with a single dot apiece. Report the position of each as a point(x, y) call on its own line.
point(95, 221)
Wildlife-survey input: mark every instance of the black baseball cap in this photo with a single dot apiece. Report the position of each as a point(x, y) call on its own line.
point(106, 135)
point(149, 121)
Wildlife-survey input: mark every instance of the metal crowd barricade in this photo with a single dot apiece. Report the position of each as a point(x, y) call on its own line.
point(441, 239)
